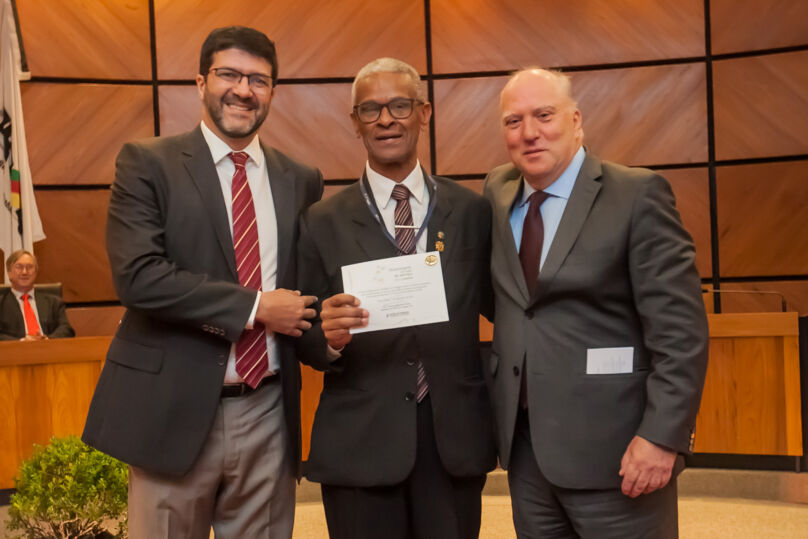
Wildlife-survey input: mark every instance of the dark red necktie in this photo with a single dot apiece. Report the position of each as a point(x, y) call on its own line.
point(251, 348)
point(405, 238)
point(530, 257)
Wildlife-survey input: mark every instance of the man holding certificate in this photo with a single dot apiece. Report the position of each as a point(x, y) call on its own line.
point(403, 435)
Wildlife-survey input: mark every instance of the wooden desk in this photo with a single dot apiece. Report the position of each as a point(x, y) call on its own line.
point(45, 390)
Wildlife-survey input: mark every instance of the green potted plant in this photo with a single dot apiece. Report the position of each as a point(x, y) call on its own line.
point(69, 490)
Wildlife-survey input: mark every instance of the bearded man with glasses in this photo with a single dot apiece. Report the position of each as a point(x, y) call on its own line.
point(200, 390)
point(402, 437)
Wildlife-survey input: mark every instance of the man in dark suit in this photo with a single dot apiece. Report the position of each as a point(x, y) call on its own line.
point(200, 391)
point(26, 314)
point(402, 437)
point(600, 341)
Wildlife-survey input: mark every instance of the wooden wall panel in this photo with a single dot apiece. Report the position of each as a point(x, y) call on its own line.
point(309, 122)
point(314, 39)
point(762, 219)
point(692, 191)
point(74, 131)
point(478, 35)
point(81, 39)
point(74, 251)
point(794, 292)
point(648, 115)
point(95, 321)
point(748, 25)
point(761, 106)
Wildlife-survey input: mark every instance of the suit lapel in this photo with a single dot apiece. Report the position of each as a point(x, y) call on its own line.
point(580, 202)
point(201, 168)
point(368, 232)
point(282, 184)
point(512, 186)
point(439, 223)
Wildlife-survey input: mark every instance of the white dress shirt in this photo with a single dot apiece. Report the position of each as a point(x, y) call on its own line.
point(258, 179)
point(382, 189)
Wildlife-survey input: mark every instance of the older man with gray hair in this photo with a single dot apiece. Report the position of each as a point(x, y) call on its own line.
point(600, 343)
point(403, 437)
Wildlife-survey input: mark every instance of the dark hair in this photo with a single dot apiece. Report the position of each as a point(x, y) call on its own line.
point(238, 37)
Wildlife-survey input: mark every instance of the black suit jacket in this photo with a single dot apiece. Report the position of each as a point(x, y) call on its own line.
point(52, 316)
point(174, 269)
point(364, 430)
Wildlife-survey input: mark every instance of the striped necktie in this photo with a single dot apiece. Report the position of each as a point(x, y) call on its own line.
point(251, 348)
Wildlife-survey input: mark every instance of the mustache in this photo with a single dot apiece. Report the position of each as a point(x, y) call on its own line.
point(235, 100)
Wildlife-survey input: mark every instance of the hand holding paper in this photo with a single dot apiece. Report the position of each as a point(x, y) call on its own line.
point(341, 313)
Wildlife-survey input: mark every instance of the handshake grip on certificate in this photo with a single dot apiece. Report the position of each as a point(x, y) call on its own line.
point(340, 314)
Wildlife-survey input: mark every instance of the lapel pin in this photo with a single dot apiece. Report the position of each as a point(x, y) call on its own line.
point(439, 245)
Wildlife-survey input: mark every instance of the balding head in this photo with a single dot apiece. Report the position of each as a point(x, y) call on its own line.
point(541, 124)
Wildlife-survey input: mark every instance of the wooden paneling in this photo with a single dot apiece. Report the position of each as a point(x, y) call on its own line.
point(45, 390)
point(309, 400)
point(478, 35)
point(764, 296)
point(751, 399)
point(313, 38)
point(761, 105)
point(310, 122)
point(74, 131)
point(95, 321)
point(692, 191)
point(74, 251)
point(762, 219)
point(647, 115)
point(77, 38)
point(748, 25)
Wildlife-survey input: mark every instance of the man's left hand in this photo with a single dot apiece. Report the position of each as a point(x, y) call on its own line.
point(645, 467)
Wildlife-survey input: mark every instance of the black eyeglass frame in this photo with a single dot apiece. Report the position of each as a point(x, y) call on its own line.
point(251, 77)
point(412, 101)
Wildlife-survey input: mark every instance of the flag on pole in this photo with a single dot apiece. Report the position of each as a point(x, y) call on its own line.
point(20, 226)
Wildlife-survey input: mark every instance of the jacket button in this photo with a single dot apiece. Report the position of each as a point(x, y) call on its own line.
point(529, 315)
point(515, 370)
point(409, 395)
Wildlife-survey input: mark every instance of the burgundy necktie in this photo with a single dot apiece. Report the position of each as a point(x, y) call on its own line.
point(405, 238)
point(31, 325)
point(251, 348)
point(530, 257)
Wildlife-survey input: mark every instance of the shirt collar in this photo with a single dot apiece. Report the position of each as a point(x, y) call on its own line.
point(382, 186)
point(219, 148)
point(19, 294)
point(562, 187)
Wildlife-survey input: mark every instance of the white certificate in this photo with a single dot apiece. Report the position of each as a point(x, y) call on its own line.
point(398, 292)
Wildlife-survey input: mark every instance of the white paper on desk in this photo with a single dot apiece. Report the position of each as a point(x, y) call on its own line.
point(398, 292)
point(610, 360)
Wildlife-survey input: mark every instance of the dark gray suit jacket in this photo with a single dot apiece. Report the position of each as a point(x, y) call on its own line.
point(619, 273)
point(173, 266)
point(364, 430)
point(52, 316)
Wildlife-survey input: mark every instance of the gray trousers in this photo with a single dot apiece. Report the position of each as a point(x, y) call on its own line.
point(544, 510)
point(242, 484)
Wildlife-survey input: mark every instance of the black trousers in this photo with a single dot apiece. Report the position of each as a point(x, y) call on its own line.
point(542, 510)
point(429, 504)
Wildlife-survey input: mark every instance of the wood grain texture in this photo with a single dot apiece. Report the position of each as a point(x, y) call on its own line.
point(765, 296)
point(313, 38)
point(761, 105)
point(95, 321)
point(309, 122)
point(748, 25)
point(479, 35)
point(753, 325)
point(74, 131)
point(309, 400)
point(762, 219)
point(84, 39)
point(692, 191)
point(74, 252)
point(638, 116)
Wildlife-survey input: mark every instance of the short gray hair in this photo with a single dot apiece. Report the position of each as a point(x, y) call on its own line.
point(389, 65)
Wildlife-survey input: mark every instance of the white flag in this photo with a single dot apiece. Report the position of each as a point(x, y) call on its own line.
point(20, 226)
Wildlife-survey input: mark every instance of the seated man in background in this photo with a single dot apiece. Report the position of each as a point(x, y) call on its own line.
point(26, 314)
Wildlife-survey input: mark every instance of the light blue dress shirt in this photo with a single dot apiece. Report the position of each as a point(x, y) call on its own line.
point(553, 207)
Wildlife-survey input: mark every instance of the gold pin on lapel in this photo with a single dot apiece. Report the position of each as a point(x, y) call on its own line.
point(439, 245)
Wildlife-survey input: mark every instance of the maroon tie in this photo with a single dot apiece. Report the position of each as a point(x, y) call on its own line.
point(405, 238)
point(530, 257)
point(251, 348)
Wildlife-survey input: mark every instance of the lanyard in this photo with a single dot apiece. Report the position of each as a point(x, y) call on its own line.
point(364, 187)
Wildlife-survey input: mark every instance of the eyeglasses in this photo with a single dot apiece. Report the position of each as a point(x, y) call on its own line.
point(399, 108)
point(258, 81)
point(23, 267)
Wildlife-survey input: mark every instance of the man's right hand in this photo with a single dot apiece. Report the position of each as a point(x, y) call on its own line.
point(285, 311)
point(339, 314)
